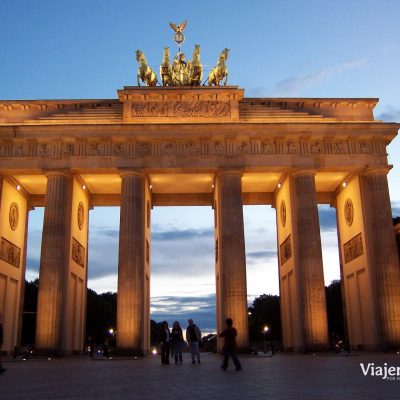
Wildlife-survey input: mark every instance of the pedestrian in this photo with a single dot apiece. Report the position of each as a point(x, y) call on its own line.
point(1, 342)
point(193, 337)
point(177, 341)
point(165, 343)
point(229, 350)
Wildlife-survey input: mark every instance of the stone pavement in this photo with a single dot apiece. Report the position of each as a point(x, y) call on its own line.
point(281, 377)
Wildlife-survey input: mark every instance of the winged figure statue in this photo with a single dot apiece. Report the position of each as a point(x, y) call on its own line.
point(178, 37)
point(178, 28)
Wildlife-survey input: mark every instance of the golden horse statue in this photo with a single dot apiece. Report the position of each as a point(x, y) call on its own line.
point(195, 68)
point(220, 71)
point(145, 73)
point(166, 69)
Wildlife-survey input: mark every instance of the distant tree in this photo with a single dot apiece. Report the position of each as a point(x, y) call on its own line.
point(155, 328)
point(334, 308)
point(29, 313)
point(263, 312)
point(101, 315)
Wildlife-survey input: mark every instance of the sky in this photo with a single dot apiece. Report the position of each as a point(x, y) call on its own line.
point(85, 49)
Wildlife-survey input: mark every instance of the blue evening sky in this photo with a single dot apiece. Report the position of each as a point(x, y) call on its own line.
point(85, 49)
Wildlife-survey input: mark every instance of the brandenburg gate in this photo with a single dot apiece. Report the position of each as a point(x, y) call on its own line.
point(183, 144)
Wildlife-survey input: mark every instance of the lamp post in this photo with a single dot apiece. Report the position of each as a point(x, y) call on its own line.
point(266, 329)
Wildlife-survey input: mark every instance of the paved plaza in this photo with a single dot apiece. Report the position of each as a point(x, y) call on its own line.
point(280, 377)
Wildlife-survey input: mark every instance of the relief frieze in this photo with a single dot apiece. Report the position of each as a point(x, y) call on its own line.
point(291, 147)
point(191, 148)
point(78, 253)
point(194, 109)
point(244, 148)
point(68, 149)
point(338, 147)
point(21, 150)
point(268, 147)
point(353, 248)
point(259, 146)
point(10, 253)
point(143, 148)
point(316, 147)
point(285, 249)
point(119, 149)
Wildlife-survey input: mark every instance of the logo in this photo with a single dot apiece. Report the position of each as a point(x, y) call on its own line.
point(385, 371)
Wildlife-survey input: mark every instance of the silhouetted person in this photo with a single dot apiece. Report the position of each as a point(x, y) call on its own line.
point(193, 337)
point(229, 349)
point(165, 343)
point(1, 341)
point(106, 349)
point(177, 341)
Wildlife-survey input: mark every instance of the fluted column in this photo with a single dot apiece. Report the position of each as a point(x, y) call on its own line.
point(53, 262)
point(382, 248)
point(231, 263)
point(131, 265)
point(309, 261)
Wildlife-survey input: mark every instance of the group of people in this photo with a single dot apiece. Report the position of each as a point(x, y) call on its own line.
point(172, 341)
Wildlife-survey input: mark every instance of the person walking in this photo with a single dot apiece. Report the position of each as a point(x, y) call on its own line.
point(1, 342)
point(193, 337)
point(177, 341)
point(165, 343)
point(229, 350)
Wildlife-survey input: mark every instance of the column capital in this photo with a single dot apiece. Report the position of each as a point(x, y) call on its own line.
point(57, 172)
point(379, 169)
point(303, 172)
point(132, 172)
point(224, 172)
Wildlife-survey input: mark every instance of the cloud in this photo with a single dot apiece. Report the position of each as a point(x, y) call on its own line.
point(202, 309)
point(295, 85)
point(327, 218)
point(33, 264)
point(391, 114)
point(396, 209)
point(187, 234)
point(262, 254)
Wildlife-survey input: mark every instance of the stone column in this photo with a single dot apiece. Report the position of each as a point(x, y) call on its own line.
point(231, 260)
point(131, 265)
point(381, 246)
point(308, 253)
point(53, 262)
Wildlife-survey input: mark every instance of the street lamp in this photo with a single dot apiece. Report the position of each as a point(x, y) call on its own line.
point(266, 329)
